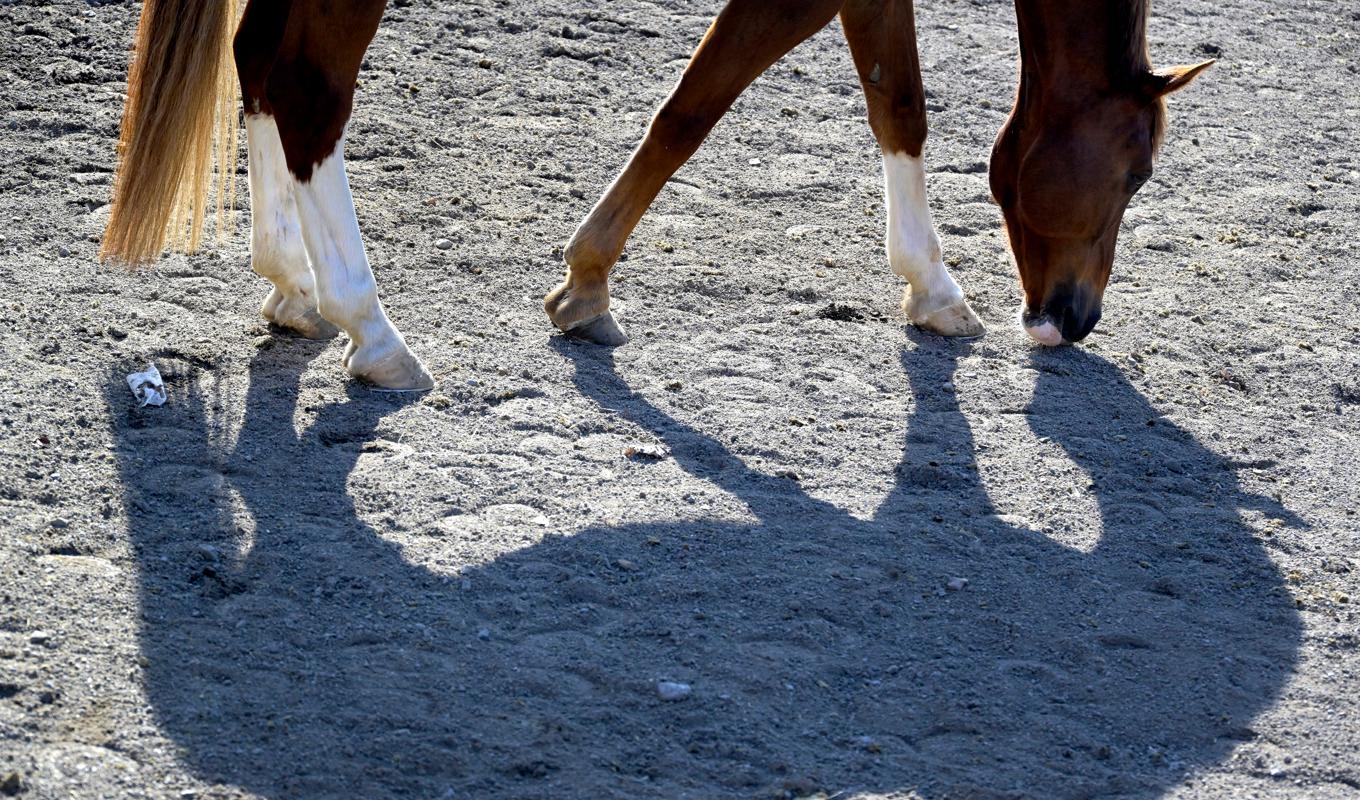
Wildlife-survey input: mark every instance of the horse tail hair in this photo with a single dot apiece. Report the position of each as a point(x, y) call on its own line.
point(179, 126)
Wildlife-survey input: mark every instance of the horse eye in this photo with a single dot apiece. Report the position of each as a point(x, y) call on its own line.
point(1137, 179)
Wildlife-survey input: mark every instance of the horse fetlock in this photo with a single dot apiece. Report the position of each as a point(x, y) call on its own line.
point(277, 252)
point(594, 247)
point(918, 264)
point(354, 308)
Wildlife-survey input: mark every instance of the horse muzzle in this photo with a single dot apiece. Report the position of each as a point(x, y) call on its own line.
point(1067, 316)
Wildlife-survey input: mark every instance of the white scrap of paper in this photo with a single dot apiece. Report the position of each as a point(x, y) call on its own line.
point(147, 387)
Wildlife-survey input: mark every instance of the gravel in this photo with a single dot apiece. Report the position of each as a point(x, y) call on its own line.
point(1158, 527)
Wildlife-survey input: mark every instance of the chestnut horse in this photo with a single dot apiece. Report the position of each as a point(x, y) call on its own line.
point(1080, 141)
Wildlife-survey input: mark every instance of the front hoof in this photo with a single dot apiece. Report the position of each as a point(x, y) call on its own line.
point(297, 316)
point(603, 330)
point(956, 319)
point(398, 371)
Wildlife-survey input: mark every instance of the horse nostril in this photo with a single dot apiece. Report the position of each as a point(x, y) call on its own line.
point(1068, 314)
point(1077, 323)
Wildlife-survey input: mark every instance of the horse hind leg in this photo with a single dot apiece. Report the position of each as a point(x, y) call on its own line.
point(746, 38)
point(882, 37)
point(276, 249)
point(348, 296)
point(311, 91)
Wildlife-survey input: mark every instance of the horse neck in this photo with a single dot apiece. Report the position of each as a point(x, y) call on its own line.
point(1073, 49)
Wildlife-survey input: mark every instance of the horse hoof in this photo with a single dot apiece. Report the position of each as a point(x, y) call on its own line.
point(956, 319)
point(310, 325)
point(296, 316)
point(399, 371)
point(602, 330)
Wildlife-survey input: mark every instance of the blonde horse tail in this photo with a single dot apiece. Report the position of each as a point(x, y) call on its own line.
point(179, 123)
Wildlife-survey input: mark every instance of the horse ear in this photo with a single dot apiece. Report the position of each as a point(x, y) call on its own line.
point(1168, 80)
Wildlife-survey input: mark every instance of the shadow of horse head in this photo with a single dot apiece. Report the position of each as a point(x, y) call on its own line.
point(941, 647)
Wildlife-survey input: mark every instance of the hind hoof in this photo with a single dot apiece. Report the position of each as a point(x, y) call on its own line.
point(296, 316)
point(957, 319)
point(398, 371)
point(604, 330)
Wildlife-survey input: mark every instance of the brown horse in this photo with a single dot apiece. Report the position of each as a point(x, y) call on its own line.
point(1080, 141)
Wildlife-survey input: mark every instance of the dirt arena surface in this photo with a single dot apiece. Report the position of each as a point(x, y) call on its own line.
point(885, 564)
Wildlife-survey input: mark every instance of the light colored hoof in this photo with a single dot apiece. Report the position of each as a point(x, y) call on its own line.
point(956, 319)
point(397, 371)
point(603, 330)
point(297, 315)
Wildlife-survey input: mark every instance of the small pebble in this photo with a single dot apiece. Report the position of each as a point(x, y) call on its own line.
point(59, 523)
point(672, 691)
point(39, 637)
point(484, 633)
point(957, 584)
point(63, 251)
point(444, 244)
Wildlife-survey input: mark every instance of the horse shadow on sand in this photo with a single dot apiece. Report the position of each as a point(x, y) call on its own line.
point(293, 652)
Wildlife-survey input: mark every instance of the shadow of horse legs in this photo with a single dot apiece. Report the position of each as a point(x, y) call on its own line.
point(293, 651)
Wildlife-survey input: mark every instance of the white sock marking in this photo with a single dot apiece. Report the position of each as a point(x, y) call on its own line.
point(346, 292)
point(913, 247)
point(276, 249)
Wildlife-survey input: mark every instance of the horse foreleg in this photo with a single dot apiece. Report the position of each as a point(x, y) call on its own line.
point(746, 38)
point(882, 36)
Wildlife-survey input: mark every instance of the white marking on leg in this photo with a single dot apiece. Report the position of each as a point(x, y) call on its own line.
point(347, 295)
point(913, 246)
point(276, 249)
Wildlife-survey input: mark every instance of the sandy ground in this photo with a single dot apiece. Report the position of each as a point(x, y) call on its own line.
point(281, 585)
